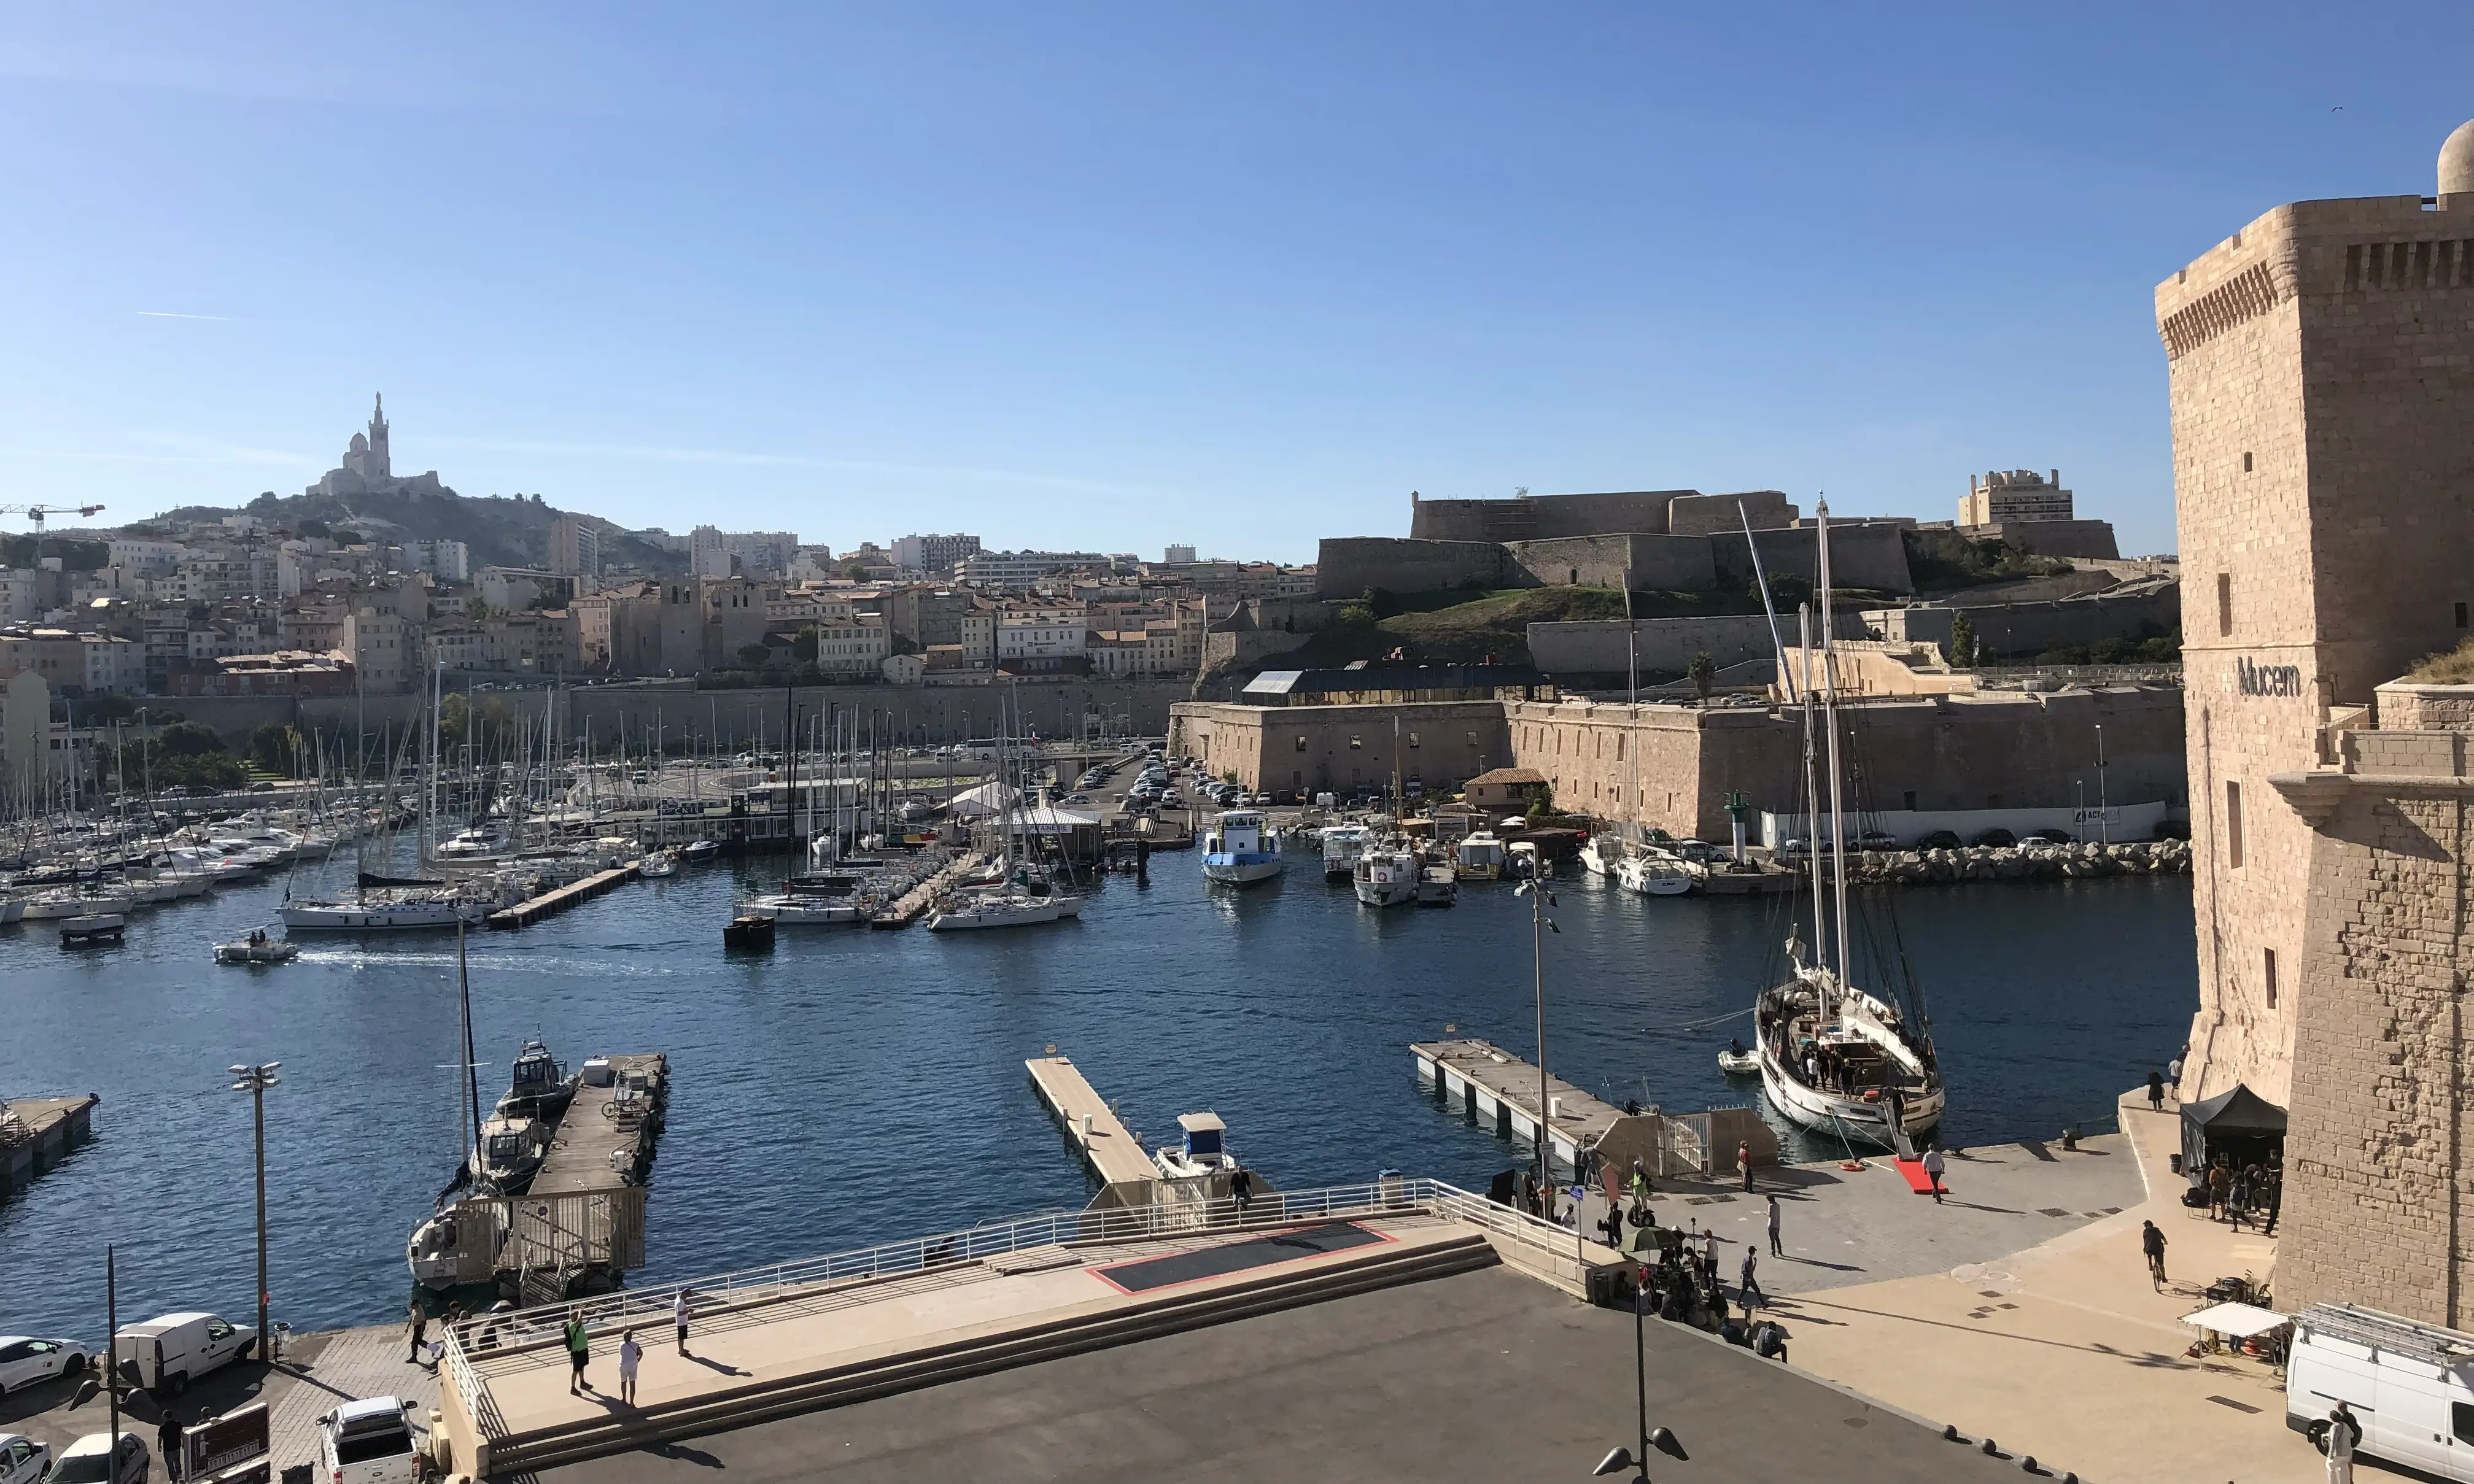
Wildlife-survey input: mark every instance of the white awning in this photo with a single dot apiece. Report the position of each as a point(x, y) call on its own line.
point(2240, 1321)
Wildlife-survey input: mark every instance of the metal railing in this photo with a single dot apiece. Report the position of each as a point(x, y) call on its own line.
point(487, 1337)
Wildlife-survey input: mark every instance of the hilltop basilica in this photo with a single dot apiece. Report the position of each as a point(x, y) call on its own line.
point(367, 469)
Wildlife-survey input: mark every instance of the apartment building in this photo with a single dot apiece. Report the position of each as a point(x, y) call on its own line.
point(1042, 638)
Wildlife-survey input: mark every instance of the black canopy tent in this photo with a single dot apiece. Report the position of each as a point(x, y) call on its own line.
point(2241, 1125)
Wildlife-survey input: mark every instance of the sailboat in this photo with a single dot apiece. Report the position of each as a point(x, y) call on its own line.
point(446, 1247)
point(1023, 895)
point(402, 904)
point(1835, 1058)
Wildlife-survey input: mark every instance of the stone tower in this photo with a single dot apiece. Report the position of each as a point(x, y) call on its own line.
point(2321, 370)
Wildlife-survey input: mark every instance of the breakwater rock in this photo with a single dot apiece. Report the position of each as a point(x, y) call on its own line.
point(2019, 863)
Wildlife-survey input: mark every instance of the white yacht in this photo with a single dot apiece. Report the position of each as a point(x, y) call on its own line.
point(77, 901)
point(1601, 855)
point(383, 913)
point(1654, 873)
point(663, 862)
point(1342, 845)
point(1239, 851)
point(1002, 908)
point(1386, 877)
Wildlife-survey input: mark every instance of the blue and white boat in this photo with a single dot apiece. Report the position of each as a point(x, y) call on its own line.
point(1239, 851)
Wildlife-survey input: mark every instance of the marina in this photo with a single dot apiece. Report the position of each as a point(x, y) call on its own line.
point(525, 914)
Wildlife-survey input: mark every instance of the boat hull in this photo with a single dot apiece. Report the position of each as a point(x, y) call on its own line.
point(1828, 1112)
point(1387, 894)
point(318, 917)
point(1240, 870)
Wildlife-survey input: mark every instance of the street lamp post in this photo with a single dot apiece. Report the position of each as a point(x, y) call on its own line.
point(2103, 825)
point(254, 1081)
point(1539, 924)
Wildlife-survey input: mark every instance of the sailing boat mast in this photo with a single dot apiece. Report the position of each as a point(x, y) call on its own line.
point(1830, 719)
point(471, 1069)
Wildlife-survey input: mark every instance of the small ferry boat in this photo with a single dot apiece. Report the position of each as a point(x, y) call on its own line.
point(1342, 845)
point(1480, 856)
point(258, 948)
point(1386, 877)
point(1239, 851)
point(538, 1086)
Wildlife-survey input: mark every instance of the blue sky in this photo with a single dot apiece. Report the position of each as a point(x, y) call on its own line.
point(1108, 277)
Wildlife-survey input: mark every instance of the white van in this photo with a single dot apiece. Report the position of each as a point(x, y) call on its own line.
point(2409, 1385)
point(165, 1354)
point(366, 1442)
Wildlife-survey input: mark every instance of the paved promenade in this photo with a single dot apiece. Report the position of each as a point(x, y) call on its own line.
point(2062, 1348)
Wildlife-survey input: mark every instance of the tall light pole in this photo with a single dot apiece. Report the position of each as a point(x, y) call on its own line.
point(1539, 924)
point(254, 1081)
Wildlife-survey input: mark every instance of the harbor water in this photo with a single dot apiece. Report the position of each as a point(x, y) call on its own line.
point(856, 1086)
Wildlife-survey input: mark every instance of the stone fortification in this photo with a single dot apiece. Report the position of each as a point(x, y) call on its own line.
point(2322, 371)
point(2375, 1195)
point(1871, 556)
point(1347, 565)
point(2027, 629)
point(1550, 516)
point(1662, 647)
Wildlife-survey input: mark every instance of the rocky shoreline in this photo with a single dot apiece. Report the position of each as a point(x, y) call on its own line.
point(2019, 863)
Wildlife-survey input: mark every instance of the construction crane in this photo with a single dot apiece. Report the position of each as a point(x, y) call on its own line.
point(37, 513)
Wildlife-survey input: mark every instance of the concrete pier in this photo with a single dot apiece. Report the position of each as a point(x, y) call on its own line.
point(598, 1150)
point(1500, 1090)
point(550, 903)
point(1112, 1151)
point(36, 1132)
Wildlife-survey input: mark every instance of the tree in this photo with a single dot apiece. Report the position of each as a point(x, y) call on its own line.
point(273, 746)
point(754, 656)
point(804, 647)
point(187, 739)
point(1702, 670)
point(1962, 642)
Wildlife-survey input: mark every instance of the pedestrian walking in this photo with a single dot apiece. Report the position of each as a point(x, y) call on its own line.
point(579, 1353)
point(2152, 1241)
point(2174, 1073)
point(1611, 1224)
point(1747, 1284)
point(1933, 1167)
point(168, 1442)
point(1710, 1253)
point(2344, 1433)
point(2155, 1092)
point(679, 1318)
point(1775, 1251)
point(1241, 1189)
point(1744, 1163)
point(417, 1321)
point(630, 1355)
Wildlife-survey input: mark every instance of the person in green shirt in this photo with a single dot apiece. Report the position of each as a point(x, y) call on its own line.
point(579, 1353)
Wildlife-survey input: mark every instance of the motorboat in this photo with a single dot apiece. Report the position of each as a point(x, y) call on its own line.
point(658, 864)
point(1739, 1059)
point(1239, 851)
point(12, 909)
point(1480, 856)
point(1386, 877)
point(538, 1086)
point(1009, 908)
point(1342, 845)
point(258, 948)
point(1600, 855)
point(1202, 1153)
point(512, 1152)
point(699, 851)
point(1437, 886)
point(1655, 875)
point(801, 909)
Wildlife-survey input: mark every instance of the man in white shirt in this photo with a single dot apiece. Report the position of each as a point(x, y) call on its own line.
point(630, 1355)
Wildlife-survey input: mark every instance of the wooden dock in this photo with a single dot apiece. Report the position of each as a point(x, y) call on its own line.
point(550, 903)
point(1112, 1151)
point(1500, 1090)
point(913, 904)
point(36, 1132)
point(604, 1140)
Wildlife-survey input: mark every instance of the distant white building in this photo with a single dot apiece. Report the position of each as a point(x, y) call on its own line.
point(1179, 556)
point(933, 554)
point(450, 561)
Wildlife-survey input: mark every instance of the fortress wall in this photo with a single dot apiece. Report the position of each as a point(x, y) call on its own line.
point(1346, 565)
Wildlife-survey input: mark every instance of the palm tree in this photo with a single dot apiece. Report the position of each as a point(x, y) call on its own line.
point(1702, 671)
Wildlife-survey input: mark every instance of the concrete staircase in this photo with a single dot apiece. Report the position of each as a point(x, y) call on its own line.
point(1139, 1319)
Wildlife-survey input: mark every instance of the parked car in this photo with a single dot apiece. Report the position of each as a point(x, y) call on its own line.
point(166, 1355)
point(93, 1460)
point(1701, 852)
point(366, 1442)
point(23, 1460)
point(1794, 844)
point(26, 1362)
point(1877, 840)
point(1076, 799)
point(2050, 837)
point(1939, 840)
point(1996, 838)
